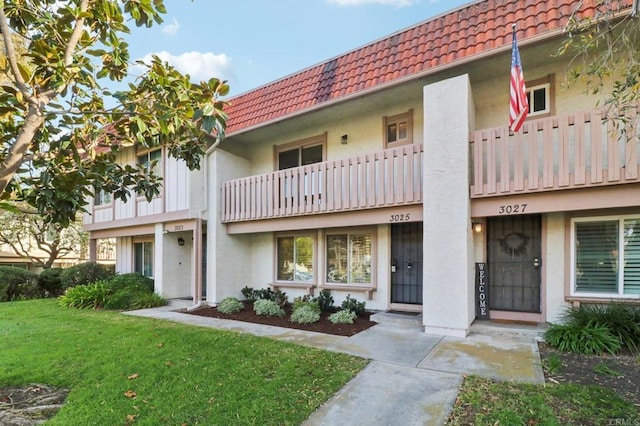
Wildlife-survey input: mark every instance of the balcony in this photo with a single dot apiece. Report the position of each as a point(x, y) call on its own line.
point(387, 178)
point(573, 151)
point(565, 152)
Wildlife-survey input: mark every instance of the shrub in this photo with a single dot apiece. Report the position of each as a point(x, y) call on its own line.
point(146, 300)
point(280, 297)
point(131, 280)
point(306, 314)
point(249, 293)
point(325, 300)
point(622, 321)
point(82, 274)
point(299, 302)
point(572, 337)
point(267, 307)
point(229, 305)
point(17, 284)
point(86, 296)
point(343, 316)
point(49, 281)
point(353, 305)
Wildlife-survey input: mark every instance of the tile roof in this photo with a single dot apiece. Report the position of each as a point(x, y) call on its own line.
point(460, 34)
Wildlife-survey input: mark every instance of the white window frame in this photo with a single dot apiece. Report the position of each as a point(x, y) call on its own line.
point(102, 198)
point(620, 284)
point(547, 99)
point(371, 232)
point(314, 256)
point(397, 119)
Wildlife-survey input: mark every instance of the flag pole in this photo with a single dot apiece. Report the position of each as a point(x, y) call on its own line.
point(518, 105)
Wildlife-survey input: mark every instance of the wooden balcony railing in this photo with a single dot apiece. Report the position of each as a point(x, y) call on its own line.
point(561, 152)
point(380, 179)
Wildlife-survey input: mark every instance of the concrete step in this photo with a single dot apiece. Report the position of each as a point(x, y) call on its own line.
point(405, 319)
point(492, 328)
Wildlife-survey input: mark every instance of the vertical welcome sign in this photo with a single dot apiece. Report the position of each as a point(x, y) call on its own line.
point(482, 292)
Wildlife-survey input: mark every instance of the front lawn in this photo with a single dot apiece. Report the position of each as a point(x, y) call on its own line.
point(123, 369)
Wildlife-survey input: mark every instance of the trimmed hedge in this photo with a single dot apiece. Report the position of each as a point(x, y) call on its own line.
point(18, 284)
point(83, 274)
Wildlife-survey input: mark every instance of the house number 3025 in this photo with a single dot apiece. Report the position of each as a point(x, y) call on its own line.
point(403, 217)
point(512, 208)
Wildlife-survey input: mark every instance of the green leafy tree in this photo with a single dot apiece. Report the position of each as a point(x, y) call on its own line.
point(605, 55)
point(58, 142)
point(33, 237)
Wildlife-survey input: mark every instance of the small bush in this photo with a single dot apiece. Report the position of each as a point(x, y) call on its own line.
point(306, 314)
point(229, 305)
point(268, 308)
point(82, 274)
point(353, 305)
point(249, 294)
point(622, 320)
point(572, 337)
point(49, 281)
point(18, 284)
point(146, 300)
point(343, 316)
point(325, 300)
point(131, 280)
point(86, 296)
point(280, 297)
point(299, 302)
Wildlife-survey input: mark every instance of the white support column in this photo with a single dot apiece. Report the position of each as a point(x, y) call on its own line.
point(158, 258)
point(196, 263)
point(448, 295)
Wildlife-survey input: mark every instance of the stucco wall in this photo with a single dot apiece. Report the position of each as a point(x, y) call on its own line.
point(555, 266)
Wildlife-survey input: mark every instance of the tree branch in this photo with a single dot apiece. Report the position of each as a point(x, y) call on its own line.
point(12, 58)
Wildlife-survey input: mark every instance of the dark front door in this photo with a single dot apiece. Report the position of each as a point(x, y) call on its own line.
point(406, 263)
point(514, 263)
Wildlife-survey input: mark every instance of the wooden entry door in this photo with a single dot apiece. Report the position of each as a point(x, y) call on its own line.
point(406, 263)
point(514, 263)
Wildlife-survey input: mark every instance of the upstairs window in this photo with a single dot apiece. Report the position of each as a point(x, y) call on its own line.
point(102, 197)
point(398, 129)
point(540, 95)
point(301, 153)
point(152, 161)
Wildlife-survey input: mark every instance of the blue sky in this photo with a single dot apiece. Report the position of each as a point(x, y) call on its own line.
point(253, 42)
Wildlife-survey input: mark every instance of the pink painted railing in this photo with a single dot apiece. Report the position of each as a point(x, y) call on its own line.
point(561, 152)
point(380, 179)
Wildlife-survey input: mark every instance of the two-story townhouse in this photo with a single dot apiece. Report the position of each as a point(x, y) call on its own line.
point(161, 239)
point(389, 174)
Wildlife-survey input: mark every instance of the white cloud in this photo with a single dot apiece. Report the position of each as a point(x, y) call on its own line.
point(199, 65)
point(396, 3)
point(172, 28)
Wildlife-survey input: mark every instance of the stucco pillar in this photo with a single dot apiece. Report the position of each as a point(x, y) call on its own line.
point(93, 249)
point(228, 256)
point(158, 258)
point(448, 291)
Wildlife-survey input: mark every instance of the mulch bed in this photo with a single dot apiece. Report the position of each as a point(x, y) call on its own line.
point(619, 372)
point(323, 326)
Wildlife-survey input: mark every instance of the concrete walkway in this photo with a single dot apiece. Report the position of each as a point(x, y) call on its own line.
point(413, 378)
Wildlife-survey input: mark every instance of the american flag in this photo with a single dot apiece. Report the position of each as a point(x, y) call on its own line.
point(518, 105)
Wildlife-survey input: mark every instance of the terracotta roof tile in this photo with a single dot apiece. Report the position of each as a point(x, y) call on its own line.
point(462, 33)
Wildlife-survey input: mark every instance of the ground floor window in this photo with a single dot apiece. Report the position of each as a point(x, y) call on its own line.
point(295, 258)
point(143, 258)
point(606, 256)
point(349, 258)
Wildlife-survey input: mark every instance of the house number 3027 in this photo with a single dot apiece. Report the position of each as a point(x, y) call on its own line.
point(512, 208)
point(403, 217)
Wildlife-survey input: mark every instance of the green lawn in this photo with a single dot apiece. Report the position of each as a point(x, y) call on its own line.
point(185, 375)
point(484, 401)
